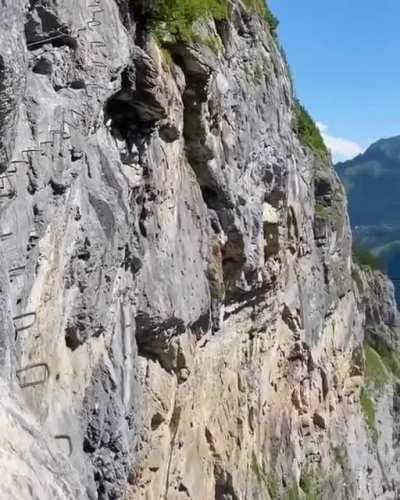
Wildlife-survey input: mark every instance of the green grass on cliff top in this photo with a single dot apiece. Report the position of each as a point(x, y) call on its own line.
point(176, 17)
point(308, 132)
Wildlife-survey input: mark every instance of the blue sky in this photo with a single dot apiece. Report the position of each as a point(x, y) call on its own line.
point(344, 56)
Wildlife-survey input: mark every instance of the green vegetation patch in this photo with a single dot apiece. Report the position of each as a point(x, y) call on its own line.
point(272, 487)
point(341, 457)
point(367, 402)
point(267, 479)
point(322, 211)
point(264, 11)
point(377, 376)
point(308, 132)
point(366, 259)
point(375, 370)
point(176, 17)
point(213, 43)
point(314, 487)
point(389, 354)
point(292, 493)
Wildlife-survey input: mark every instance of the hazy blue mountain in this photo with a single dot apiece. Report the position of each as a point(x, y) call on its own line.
point(372, 182)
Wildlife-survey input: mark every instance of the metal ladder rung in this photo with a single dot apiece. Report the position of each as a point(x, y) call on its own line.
point(96, 86)
point(44, 143)
point(94, 23)
point(64, 134)
point(23, 316)
point(28, 368)
point(98, 11)
point(12, 194)
point(100, 64)
point(19, 161)
point(31, 150)
point(78, 31)
point(16, 270)
point(98, 43)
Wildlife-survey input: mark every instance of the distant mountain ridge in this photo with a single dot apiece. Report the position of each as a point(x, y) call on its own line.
point(372, 182)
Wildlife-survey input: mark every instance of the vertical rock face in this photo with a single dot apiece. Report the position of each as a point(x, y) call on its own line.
point(180, 314)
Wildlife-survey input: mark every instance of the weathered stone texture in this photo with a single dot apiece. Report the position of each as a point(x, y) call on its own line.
point(198, 317)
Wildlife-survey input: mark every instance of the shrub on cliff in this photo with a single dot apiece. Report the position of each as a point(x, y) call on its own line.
point(366, 259)
point(176, 17)
point(262, 8)
point(307, 131)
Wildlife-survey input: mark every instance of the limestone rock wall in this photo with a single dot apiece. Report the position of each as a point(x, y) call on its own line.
point(179, 318)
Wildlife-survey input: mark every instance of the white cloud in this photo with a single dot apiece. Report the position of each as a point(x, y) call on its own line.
point(341, 149)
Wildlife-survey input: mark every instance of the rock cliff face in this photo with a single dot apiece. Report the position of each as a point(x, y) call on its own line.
point(180, 314)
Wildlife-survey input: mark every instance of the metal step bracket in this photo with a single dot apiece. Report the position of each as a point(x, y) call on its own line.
point(100, 64)
point(29, 151)
point(12, 193)
point(45, 373)
point(98, 43)
point(98, 11)
point(65, 437)
point(31, 315)
point(93, 23)
point(59, 34)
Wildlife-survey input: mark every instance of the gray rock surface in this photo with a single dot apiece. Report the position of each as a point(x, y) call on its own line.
point(186, 320)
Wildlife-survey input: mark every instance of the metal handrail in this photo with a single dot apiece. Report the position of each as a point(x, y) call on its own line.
point(45, 40)
point(40, 381)
point(23, 316)
point(50, 38)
